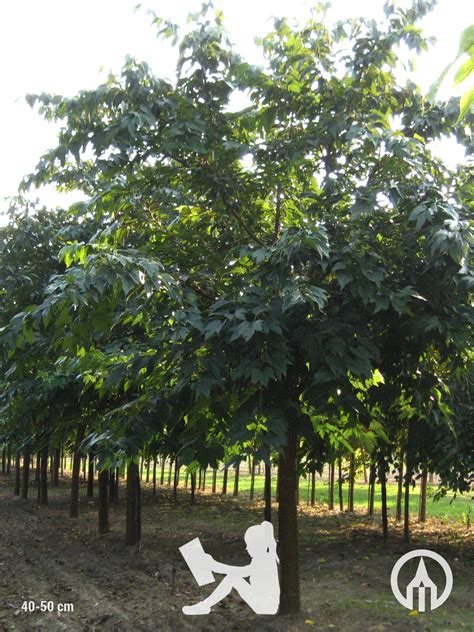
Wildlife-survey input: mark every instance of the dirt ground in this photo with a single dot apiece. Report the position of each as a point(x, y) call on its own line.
point(345, 568)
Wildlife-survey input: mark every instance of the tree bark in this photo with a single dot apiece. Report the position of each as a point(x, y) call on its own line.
point(26, 473)
point(424, 484)
point(104, 502)
point(16, 489)
point(267, 492)
point(371, 499)
point(154, 476)
point(331, 487)
point(339, 484)
point(112, 488)
point(43, 482)
point(176, 479)
point(76, 470)
point(4, 459)
point(203, 486)
point(252, 479)
point(383, 489)
point(133, 517)
point(56, 466)
point(90, 476)
point(162, 476)
point(313, 488)
point(398, 512)
point(193, 487)
point(350, 499)
point(214, 480)
point(236, 480)
point(288, 528)
point(170, 471)
point(224, 480)
point(9, 458)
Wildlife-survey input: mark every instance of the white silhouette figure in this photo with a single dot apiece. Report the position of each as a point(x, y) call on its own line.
point(261, 592)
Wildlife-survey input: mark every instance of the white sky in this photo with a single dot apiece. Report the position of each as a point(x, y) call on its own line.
point(62, 47)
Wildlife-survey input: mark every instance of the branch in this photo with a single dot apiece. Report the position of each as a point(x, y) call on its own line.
point(242, 223)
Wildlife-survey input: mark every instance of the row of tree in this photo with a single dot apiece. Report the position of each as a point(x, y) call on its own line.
point(293, 278)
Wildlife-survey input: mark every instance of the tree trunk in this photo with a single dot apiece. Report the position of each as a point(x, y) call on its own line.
point(147, 480)
point(176, 479)
point(313, 488)
point(193, 487)
point(398, 512)
point(224, 480)
point(56, 466)
point(267, 492)
point(43, 482)
point(103, 502)
point(16, 489)
point(162, 476)
point(4, 460)
point(371, 499)
point(90, 476)
point(350, 499)
point(133, 517)
point(424, 484)
point(383, 489)
point(203, 486)
point(37, 468)
point(236, 480)
point(154, 476)
point(199, 478)
point(288, 528)
point(252, 479)
point(340, 482)
point(331, 487)
point(9, 458)
point(214, 480)
point(142, 461)
point(170, 471)
point(26, 473)
point(112, 488)
point(76, 468)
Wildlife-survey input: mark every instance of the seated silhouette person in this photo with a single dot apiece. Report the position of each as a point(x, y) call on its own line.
point(262, 590)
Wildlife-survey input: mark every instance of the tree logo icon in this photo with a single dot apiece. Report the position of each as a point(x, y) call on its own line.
point(421, 582)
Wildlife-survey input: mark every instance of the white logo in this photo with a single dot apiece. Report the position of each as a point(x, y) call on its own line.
point(261, 592)
point(421, 581)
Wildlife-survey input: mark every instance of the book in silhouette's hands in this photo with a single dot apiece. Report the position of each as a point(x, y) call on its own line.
point(198, 561)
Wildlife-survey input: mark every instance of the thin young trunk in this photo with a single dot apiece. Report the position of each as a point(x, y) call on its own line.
point(9, 458)
point(170, 471)
point(252, 479)
point(398, 511)
point(371, 499)
point(37, 468)
point(313, 488)
point(224, 480)
point(214, 480)
point(56, 465)
point(176, 479)
point(16, 489)
point(350, 500)
point(62, 459)
point(133, 518)
point(104, 502)
point(26, 473)
point(154, 476)
point(267, 492)
point(43, 482)
point(112, 489)
point(162, 476)
point(339, 484)
point(288, 528)
point(383, 489)
point(90, 476)
point(147, 479)
point(76, 467)
point(4, 459)
point(236, 480)
point(424, 484)
point(407, 482)
point(331, 487)
point(204, 473)
point(142, 461)
point(200, 478)
point(193, 486)
point(277, 487)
